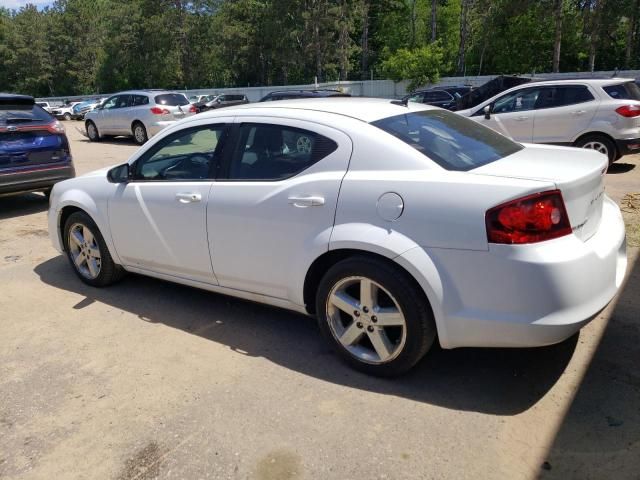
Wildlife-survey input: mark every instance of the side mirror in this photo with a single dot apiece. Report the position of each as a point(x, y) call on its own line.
point(218, 101)
point(487, 112)
point(119, 174)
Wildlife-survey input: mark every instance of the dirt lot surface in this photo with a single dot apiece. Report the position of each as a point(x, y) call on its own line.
point(147, 379)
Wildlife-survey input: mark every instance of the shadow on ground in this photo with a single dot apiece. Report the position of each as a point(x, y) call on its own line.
point(600, 434)
point(497, 381)
point(620, 168)
point(112, 141)
point(19, 205)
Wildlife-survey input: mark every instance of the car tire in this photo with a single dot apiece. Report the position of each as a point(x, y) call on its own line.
point(139, 133)
point(88, 253)
point(67, 116)
point(92, 131)
point(386, 344)
point(601, 143)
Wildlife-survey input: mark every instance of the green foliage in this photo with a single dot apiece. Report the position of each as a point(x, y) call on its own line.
point(100, 46)
point(420, 65)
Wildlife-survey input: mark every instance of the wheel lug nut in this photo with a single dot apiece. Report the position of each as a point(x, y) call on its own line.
point(359, 325)
point(356, 313)
point(374, 319)
point(365, 310)
point(370, 328)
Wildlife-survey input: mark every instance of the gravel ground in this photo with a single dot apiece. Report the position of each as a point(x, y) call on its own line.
point(148, 379)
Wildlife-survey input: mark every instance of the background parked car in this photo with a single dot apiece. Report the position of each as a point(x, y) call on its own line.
point(81, 109)
point(138, 113)
point(34, 150)
point(294, 94)
point(203, 101)
point(64, 112)
point(45, 106)
point(443, 97)
point(194, 99)
point(601, 114)
point(224, 100)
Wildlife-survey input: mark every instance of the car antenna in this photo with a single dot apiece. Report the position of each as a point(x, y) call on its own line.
point(404, 102)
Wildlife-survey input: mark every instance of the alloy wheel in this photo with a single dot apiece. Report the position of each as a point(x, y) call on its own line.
point(84, 251)
point(598, 146)
point(139, 134)
point(366, 320)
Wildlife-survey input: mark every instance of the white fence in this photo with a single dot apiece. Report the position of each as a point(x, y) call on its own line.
point(371, 88)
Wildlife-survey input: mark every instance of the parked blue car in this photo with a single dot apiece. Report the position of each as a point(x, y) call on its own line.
point(34, 149)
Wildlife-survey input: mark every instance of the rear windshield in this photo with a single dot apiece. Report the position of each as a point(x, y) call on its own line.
point(450, 140)
point(21, 114)
point(623, 91)
point(171, 99)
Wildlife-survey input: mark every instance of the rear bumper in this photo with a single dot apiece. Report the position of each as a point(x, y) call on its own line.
point(628, 146)
point(39, 177)
point(529, 295)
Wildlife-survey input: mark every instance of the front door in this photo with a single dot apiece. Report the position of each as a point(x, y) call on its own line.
point(512, 114)
point(272, 213)
point(158, 219)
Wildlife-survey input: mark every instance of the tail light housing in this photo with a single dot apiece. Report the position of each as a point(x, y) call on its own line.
point(629, 111)
point(530, 219)
point(159, 111)
point(193, 109)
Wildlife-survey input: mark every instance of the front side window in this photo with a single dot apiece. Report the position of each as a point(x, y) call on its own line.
point(452, 141)
point(417, 98)
point(123, 101)
point(519, 101)
point(436, 97)
point(190, 154)
point(110, 103)
point(276, 152)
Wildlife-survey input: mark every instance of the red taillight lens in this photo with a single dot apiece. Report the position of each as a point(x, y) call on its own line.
point(159, 111)
point(629, 111)
point(192, 109)
point(530, 219)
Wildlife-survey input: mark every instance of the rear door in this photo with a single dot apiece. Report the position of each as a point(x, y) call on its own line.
point(273, 211)
point(512, 114)
point(563, 113)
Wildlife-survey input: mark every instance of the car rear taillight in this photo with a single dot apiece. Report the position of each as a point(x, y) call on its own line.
point(529, 219)
point(192, 109)
point(159, 111)
point(55, 127)
point(629, 111)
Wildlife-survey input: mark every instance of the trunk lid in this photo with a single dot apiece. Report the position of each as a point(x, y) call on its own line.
point(577, 173)
point(23, 149)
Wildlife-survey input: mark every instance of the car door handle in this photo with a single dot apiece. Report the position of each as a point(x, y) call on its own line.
point(521, 119)
point(188, 197)
point(579, 112)
point(306, 201)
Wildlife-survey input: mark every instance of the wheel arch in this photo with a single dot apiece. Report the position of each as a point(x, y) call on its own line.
point(423, 274)
point(595, 132)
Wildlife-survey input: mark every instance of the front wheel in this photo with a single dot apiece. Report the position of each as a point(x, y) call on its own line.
point(600, 143)
point(67, 116)
point(139, 133)
point(88, 253)
point(375, 316)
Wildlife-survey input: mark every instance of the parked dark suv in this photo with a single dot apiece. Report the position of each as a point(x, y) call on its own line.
point(443, 97)
point(223, 100)
point(34, 150)
point(293, 94)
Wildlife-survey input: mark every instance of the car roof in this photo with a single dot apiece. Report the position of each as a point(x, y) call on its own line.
point(14, 98)
point(364, 109)
point(593, 81)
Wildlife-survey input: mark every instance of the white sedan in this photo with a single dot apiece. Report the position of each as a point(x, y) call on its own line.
point(394, 225)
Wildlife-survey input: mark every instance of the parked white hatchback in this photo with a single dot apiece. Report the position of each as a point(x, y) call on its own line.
point(394, 225)
point(602, 114)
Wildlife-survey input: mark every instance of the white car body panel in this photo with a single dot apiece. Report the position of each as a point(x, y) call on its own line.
point(261, 246)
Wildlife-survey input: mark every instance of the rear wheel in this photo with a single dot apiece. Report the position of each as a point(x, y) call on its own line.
point(92, 131)
point(600, 143)
point(88, 253)
point(375, 316)
point(67, 116)
point(139, 133)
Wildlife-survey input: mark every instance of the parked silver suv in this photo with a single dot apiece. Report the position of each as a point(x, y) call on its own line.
point(139, 113)
point(601, 114)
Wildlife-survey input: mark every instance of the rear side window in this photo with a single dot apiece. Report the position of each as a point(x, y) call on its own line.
point(623, 91)
point(23, 114)
point(276, 152)
point(171, 99)
point(561, 96)
point(452, 141)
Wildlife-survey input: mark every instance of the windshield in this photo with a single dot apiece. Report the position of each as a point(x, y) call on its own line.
point(18, 114)
point(171, 99)
point(452, 141)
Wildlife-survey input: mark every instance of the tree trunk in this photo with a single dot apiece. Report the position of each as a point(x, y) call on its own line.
point(464, 10)
point(434, 17)
point(630, 34)
point(412, 25)
point(558, 35)
point(364, 41)
point(595, 33)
